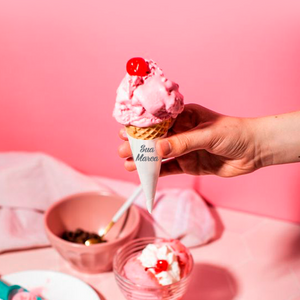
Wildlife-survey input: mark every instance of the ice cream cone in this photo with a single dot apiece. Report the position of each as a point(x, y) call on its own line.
point(145, 97)
point(149, 133)
point(143, 146)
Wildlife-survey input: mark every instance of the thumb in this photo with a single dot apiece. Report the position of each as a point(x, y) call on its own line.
point(180, 144)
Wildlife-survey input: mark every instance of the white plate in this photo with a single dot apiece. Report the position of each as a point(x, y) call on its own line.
point(56, 286)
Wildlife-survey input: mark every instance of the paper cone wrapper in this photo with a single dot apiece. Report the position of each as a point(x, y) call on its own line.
point(148, 164)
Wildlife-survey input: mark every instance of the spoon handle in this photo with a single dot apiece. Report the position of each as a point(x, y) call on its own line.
point(127, 204)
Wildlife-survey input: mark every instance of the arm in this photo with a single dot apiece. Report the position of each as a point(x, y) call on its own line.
point(278, 138)
point(203, 142)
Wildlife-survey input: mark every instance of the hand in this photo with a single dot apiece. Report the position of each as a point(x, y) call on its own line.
point(205, 142)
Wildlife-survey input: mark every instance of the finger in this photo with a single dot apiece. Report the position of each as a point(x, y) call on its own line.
point(184, 165)
point(122, 134)
point(192, 116)
point(183, 143)
point(129, 164)
point(170, 167)
point(124, 150)
point(184, 122)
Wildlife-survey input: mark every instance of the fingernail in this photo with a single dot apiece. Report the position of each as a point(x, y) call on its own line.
point(165, 147)
point(123, 132)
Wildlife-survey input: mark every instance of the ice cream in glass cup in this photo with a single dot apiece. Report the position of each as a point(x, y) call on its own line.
point(153, 269)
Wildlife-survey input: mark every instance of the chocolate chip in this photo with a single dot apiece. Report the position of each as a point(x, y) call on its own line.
point(78, 232)
point(80, 236)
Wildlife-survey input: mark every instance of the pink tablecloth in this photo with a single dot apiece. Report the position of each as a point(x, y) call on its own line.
point(30, 182)
point(254, 258)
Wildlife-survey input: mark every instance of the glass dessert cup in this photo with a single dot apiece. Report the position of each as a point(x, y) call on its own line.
point(133, 291)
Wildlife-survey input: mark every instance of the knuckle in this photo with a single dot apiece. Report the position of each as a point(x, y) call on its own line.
point(130, 165)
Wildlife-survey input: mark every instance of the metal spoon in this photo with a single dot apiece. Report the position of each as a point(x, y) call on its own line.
point(124, 208)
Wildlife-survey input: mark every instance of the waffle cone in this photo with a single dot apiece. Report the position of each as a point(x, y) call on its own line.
point(149, 133)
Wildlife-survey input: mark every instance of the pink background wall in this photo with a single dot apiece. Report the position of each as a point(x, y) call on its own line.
point(61, 62)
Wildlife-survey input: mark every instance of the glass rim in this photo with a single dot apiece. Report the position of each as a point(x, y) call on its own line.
point(150, 288)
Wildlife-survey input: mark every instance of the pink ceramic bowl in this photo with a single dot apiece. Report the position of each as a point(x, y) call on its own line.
point(90, 212)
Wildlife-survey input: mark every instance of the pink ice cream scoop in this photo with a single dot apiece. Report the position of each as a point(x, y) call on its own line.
point(145, 96)
point(136, 273)
point(16, 292)
point(24, 296)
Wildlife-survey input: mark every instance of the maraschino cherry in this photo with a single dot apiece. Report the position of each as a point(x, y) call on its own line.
point(137, 66)
point(161, 266)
